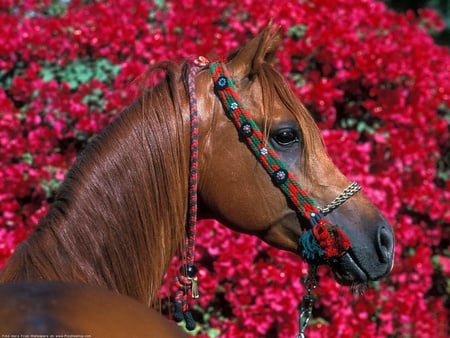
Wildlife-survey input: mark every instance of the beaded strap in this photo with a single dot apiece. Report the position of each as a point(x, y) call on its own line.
point(323, 241)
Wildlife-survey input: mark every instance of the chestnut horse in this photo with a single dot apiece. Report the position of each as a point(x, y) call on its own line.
point(120, 214)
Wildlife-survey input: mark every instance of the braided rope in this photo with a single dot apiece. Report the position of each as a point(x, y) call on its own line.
point(324, 241)
point(187, 280)
point(193, 172)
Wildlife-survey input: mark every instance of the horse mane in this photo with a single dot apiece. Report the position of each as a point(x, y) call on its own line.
point(128, 189)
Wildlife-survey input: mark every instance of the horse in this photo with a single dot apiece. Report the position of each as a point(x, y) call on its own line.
point(121, 212)
point(63, 309)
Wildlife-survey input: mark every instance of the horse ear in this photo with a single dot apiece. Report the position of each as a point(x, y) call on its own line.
point(261, 49)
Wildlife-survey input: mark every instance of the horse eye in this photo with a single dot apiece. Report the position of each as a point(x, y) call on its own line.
point(285, 137)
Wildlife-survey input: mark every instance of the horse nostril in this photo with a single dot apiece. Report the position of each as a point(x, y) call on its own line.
point(385, 243)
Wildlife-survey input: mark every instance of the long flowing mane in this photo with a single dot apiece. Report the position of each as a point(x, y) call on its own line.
point(127, 190)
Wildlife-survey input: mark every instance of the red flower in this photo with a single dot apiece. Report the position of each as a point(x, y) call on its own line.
point(373, 78)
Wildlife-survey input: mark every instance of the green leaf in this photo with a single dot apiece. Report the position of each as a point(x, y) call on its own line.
point(298, 80)
point(27, 158)
point(213, 333)
point(50, 186)
point(80, 71)
point(296, 32)
point(159, 3)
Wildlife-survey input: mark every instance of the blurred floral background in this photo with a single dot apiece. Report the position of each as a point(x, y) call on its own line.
point(375, 75)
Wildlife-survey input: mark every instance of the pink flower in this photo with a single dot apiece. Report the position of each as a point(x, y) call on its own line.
point(374, 80)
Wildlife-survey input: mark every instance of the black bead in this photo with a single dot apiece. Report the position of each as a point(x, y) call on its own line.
point(280, 176)
point(222, 82)
point(246, 129)
point(189, 269)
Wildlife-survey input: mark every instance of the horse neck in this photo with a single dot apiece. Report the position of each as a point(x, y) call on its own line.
point(120, 214)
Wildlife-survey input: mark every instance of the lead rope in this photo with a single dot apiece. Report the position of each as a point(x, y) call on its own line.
point(187, 279)
point(310, 283)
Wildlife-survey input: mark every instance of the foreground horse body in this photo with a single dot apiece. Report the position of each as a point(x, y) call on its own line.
point(120, 215)
point(61, 308)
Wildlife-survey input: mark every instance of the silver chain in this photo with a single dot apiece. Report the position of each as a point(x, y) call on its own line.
point(310, 284)
point(341, 198)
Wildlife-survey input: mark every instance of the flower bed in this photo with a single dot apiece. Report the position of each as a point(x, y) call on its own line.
point(374, 80)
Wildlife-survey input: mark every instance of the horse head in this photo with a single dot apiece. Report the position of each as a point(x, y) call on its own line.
point(234, 186)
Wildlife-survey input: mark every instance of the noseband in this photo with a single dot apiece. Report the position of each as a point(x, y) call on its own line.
point(320, 243)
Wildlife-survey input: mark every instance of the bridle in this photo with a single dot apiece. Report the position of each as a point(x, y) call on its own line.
point(320, 243)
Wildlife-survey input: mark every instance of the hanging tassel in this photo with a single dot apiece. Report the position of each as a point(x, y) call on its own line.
point(181, 310)
point(309, 247)
point(324, 241)
point(178, 310)
point(187, 280)
point(182, 313)
point(333, 241)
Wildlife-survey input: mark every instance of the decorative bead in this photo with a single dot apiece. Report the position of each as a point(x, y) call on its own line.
point(201, 61)
point(234, 106)
point(263, 151)
point(315, 218)
point(280, 176)
point(222, 82)
point(246, 129)
point(189, 269)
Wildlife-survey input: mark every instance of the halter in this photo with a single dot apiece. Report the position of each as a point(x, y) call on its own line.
point(320, 243)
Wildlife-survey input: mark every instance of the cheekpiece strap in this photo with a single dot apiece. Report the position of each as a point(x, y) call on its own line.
point(323, 241)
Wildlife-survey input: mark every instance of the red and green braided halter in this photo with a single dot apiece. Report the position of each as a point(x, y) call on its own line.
point(323, 241)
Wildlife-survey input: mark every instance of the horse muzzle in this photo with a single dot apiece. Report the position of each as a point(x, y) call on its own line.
point(363, 263)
